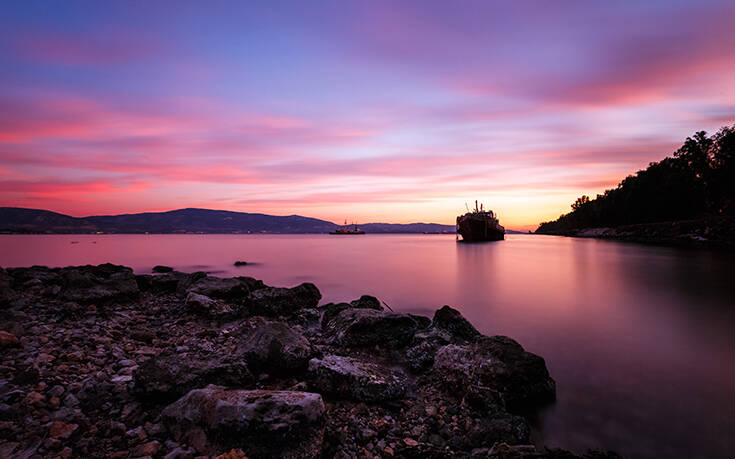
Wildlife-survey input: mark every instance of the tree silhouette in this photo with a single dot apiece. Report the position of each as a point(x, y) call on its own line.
point(698, 181)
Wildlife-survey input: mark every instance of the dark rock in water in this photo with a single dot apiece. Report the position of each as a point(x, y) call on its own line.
point(162, 269)
point(172, 374)
point(241, 263)
point(275, 301)
point(103, 283)
point(451, 320)
point(367, 302)
point(263, 423)
point(368, 327)
point(511, 375)
point(275, 347)
point(346, 377)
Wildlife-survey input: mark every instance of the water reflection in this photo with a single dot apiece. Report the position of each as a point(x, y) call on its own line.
point(640, 339)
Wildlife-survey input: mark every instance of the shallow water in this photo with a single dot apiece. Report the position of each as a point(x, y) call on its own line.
point(641, 340)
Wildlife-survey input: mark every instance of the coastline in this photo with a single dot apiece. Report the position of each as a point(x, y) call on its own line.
point(98, 361)
point(712, 232)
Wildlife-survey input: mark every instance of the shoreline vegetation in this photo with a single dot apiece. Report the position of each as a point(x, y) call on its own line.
point(684, 200)
point(100, 362)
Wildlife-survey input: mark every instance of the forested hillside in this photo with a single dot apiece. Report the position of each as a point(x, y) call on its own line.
point(698, 181)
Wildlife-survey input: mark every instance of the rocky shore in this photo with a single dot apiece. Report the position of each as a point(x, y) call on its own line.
point(99, 362)
point(713, 233)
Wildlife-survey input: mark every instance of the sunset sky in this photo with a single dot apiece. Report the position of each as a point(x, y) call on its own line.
point(396, 111)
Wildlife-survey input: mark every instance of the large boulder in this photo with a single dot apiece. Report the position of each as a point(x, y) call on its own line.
point(368, 327)
point(452, 321)
point(263, 423)
point(495, 370)
point(276, 301)
point(349, 378)
point(275, 347)
point(103, 283)
point(171, 374)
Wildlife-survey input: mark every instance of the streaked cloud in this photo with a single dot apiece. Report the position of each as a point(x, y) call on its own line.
point(386, 111)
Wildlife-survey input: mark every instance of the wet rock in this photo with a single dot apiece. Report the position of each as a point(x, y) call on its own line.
point(452, 321)
point(276, 348)
point(346, 377)
point(171, 374)
point(103, 283)
point(263, 423)
point(275, 301)
point(500, 367)
point(368, 327)
point(162, 269)
point(8, 340)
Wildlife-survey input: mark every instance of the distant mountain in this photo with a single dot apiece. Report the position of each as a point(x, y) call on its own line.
point(19, 220)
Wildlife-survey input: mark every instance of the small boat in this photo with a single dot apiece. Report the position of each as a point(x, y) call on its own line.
point(348, 229)
point(479, 225)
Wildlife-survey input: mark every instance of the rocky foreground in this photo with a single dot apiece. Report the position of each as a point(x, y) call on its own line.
point(96, 361)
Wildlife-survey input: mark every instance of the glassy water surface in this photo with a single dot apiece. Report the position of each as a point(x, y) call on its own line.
point(641, 340)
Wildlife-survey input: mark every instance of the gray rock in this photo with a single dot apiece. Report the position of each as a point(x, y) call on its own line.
point(495, 370)
point(171, 374)
point(263, 423)
point(275, 347)
point(346, 377)
point(368, 327)
point(274, 301)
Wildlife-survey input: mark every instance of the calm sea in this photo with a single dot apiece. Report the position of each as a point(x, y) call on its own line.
point(641, 340)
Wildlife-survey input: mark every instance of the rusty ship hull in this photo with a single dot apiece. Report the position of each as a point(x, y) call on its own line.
point(479, 226)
